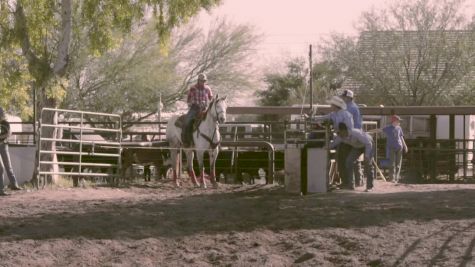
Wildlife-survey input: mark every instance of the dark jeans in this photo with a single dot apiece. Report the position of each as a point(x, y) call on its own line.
point(358, 169)
point(342, 154)
point(353, 156)
point(6, 166)
point(187, 131)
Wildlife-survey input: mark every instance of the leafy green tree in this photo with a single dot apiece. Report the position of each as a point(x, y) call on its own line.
point(285, 89)
point(14, 74)
point(42, 31)
point(327, 78)
point(290, 88)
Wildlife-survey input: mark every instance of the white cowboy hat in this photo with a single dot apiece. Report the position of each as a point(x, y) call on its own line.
point(337, 101)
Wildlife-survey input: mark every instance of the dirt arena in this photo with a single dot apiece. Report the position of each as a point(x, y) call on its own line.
point(259, 225)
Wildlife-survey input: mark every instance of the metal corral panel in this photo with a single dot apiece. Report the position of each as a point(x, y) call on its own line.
point(23, 162)
point(293, 159)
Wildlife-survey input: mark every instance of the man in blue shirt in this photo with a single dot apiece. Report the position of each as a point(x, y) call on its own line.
point(354, 110)
point(360, 142)
point(339, 115)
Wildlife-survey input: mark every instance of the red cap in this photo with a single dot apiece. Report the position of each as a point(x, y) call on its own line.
point(395, 118)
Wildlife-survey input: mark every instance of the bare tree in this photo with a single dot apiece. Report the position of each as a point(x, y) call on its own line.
point(133, 76)
point(411, 53)
point(225, 53)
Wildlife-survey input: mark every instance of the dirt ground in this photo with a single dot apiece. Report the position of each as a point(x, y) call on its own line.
point(156, 224)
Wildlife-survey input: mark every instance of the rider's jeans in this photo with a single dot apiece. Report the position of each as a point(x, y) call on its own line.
point(190, 116)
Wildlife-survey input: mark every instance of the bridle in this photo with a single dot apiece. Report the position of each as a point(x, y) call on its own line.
point(216, 110)
point(216, 119)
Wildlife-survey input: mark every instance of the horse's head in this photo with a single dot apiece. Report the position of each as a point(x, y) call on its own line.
point(218, 109)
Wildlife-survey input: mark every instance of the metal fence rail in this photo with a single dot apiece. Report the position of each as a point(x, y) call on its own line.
point(430, 156)
point(85, 150)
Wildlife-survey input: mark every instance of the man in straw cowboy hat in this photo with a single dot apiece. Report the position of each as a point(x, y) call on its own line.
point(339, 115)
point(198, 99)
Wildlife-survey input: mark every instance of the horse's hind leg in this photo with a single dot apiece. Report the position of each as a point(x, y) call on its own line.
point(189, 163)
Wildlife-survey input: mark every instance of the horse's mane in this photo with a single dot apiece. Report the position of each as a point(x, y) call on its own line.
point(209, 108)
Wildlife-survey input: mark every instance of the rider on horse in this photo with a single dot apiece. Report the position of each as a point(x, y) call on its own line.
point(199, 96)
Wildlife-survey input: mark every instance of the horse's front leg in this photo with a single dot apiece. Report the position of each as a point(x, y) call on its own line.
point(189, 163)
point(200, 155)
point(175, 165)
point(213, 155)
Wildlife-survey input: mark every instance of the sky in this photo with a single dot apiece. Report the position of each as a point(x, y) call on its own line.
point(289, 26)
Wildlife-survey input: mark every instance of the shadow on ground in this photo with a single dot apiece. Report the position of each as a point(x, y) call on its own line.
point(247, 210)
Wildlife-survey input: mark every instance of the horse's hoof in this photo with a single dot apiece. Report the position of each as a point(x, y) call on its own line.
point(204, 186)
point(177, 184)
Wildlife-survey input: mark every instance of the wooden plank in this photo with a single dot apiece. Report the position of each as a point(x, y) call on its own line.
point(384, 111)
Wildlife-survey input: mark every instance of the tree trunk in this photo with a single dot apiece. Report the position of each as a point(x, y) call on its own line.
point(40, 69)
point(46, 132)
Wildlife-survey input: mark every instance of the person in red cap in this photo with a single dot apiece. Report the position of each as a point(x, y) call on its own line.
point(395, 145)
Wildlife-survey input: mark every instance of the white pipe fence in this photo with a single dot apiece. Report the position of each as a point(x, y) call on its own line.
point(79, 146)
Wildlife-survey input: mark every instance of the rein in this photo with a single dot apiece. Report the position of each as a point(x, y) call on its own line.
point(207, 138)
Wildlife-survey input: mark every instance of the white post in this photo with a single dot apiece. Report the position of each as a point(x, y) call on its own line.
point(159, 113)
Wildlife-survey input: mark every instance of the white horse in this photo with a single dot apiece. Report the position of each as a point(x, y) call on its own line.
point(205, 138)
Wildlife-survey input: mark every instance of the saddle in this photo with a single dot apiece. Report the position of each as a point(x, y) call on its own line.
point(180, 122)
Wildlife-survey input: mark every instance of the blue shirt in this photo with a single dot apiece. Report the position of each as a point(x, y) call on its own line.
point(355, 111)
point(341, 115)
point(394, 137)
point(357, 139)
